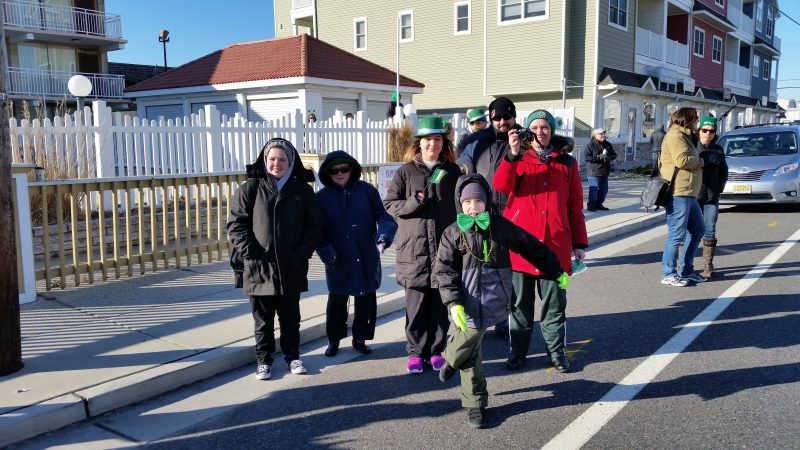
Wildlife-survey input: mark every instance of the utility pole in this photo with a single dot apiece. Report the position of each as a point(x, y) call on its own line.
point(10, 332)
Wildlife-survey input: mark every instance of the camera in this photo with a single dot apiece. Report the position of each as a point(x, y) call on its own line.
point(525, 136)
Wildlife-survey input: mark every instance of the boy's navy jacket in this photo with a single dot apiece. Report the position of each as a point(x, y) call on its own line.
point(354, 220)
point(484, 288)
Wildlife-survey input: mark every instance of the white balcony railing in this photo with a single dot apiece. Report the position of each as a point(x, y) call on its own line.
point(49, 83)
point(744, 24)
point(735, 73)
point(298, 4)
point(63, 19)
point(677, 53)
point(649, 44)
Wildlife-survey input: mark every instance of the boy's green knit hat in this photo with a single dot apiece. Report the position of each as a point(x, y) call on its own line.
point(710, 121)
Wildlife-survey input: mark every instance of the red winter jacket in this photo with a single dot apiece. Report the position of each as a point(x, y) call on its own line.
point(546, 199)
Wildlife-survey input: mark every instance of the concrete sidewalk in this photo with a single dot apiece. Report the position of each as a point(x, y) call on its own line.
point(95, 348)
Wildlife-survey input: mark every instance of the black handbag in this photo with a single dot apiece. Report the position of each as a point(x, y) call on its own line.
point(657, 191)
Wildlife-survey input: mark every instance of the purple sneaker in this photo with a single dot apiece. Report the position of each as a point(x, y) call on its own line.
point(437, 362)
point(414, 364)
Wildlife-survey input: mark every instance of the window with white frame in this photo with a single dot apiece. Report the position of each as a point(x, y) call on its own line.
point(759, 16)
point(522, 9)
point(699, 42)
point(612, 117)
point(756, 66)
point(770, 21)
point(648, 119)
point(406, 26)
point(461, 18)
point(716, 49)
point(720, 3)
point(360, 33)
point(618, 13)
point(765, 71)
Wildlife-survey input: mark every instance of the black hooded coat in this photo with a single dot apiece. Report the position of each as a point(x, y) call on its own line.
point(275, 232)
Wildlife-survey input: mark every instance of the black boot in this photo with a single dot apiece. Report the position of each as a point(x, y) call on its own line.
point(332, 350)
point(361, 346)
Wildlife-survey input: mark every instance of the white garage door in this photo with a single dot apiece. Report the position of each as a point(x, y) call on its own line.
point(270, 109)
point(377, 110)
point(225, 108)
point(330, 105)
point(165, 111)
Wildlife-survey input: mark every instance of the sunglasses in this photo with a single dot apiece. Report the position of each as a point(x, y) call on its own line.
point(706, 130)
point(503, 117)
point(334, 171)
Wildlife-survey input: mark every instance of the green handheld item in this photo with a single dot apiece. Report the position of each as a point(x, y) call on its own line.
point(563, 280)
point(578, 266)
point(438, 176)
point(459, 317)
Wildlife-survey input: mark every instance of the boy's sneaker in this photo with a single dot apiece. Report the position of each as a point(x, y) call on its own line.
point(297, 367)
point(674, 281)
point(414, 364)
point(475, 417)
point(695, 277)
point(437, 362)
point(263, 372)
point(446, 373)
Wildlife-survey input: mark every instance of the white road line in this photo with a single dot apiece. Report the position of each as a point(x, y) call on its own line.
point(578, 433)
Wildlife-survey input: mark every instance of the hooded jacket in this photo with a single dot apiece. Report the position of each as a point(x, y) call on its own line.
point(678, 150)
point(420, 225)
point(481, 152)
point(545, 199)
point(355, 220)
point(275, 232)
point(484, 288)
point(715, 171)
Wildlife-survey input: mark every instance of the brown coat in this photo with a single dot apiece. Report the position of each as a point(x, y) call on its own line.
point(678, 150)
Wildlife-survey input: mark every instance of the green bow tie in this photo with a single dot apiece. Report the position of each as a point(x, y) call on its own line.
point(465, 221)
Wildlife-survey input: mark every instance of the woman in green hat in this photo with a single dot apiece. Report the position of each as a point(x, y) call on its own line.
point(421, 198)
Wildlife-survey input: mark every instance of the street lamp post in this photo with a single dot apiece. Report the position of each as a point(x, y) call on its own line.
point(80, 87)
point(163, 37)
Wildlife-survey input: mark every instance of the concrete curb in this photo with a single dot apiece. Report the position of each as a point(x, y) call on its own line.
point(90, 402)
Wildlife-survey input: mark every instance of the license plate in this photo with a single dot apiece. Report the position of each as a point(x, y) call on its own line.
point(742, 189)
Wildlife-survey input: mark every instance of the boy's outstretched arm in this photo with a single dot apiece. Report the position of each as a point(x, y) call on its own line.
point(532, 249)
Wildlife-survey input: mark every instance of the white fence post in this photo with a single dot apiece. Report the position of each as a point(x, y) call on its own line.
point(24, 231)
point(299, 131)
point(103, 140)
point(214, 140)
point(362, 134)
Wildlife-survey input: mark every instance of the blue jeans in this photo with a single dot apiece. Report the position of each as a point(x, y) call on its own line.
point(684, 224)
point(710, 214)
point(598, 188)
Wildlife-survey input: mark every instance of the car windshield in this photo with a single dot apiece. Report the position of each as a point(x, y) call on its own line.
point(760, 144)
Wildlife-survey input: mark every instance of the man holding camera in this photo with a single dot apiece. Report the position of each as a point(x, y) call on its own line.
point(482, 151)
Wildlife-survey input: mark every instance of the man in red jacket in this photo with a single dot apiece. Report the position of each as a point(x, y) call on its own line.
point(546, 199)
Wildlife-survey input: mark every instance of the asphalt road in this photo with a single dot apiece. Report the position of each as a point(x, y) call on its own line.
point(648, 371)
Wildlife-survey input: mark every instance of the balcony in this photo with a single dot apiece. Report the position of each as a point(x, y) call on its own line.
point(651, 45)
point(737, 76)
point(23, 17)
point(745, 25)
point(53, 84)
point(302, 8)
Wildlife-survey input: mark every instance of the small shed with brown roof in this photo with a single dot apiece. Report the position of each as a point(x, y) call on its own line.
point(267, 79)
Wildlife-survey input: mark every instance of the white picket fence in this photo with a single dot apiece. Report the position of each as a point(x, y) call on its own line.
point(96, 143)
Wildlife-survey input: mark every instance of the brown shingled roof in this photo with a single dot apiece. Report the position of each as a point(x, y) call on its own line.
point(294, 56)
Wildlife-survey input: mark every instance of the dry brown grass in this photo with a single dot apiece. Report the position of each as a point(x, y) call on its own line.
point(400, 139)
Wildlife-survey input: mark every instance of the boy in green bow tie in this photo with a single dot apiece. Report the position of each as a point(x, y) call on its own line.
point(473, 268)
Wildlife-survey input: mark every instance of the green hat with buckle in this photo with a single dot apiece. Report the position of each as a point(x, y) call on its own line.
point(429, 125)
point(476, 114)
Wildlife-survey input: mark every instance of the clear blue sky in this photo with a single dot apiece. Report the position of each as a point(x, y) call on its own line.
point(789, 66)
point(199, 27)
point(196, 27)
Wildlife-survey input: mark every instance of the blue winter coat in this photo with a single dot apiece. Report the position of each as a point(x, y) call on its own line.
point(354, 221)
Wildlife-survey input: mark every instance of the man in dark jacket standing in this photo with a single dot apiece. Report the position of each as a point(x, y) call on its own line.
point(599, 154)
point(275, 225)
point(656, 138)
point(482, 151)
